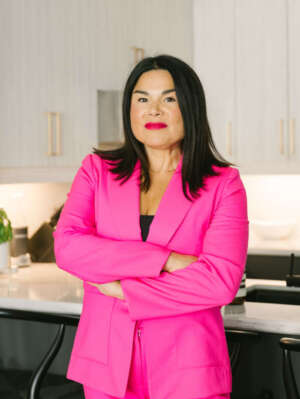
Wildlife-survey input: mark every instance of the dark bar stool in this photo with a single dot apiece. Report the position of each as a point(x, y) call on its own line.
point(238, 338)
point(38, 375)
point(288, 345)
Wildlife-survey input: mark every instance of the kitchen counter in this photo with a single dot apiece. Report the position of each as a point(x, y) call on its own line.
point(265, 317)
point(43, 287)
point(274, 247)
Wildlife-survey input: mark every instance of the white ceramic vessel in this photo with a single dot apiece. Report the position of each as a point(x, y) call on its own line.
point(4, 257)
point(274, 229)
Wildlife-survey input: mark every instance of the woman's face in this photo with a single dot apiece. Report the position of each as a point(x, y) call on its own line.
point(150, 103)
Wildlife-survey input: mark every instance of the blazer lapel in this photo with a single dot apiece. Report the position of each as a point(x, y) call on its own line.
point(125, 202)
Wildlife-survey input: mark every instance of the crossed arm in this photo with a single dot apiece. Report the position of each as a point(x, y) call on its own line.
point(175, 261)
point(149, 289)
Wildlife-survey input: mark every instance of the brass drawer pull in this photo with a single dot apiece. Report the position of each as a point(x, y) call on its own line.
point(50, 152)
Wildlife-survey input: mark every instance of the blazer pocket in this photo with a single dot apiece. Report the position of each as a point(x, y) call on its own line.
point(93, 332)
point(194, 348)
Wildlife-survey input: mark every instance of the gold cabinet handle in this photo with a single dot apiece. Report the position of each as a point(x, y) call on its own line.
point(50, 152)
point(229, 138)
point(139, 54)
point(281, 133)
point(58, 134)
point(292, 136)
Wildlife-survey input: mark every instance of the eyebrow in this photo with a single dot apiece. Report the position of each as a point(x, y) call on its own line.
point(145, 92)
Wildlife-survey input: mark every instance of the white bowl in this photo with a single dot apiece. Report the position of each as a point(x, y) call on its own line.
point(274, 229)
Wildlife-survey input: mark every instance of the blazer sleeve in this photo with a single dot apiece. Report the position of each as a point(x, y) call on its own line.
point(212, 280)
point(80, 251)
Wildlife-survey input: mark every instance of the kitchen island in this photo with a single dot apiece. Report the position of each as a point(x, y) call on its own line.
point(45, 293)
point(43, 287)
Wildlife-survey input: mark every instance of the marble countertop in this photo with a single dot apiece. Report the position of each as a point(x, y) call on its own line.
point(41, 287)
point(264, 317)
point(45, 288)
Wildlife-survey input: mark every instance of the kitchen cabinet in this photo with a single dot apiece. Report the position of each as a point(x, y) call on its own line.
point(257, 41)
point(271, 267)
point(214, 33)
point(261, 82)
point(49, 72)
point(293, 117)
point(56, 56)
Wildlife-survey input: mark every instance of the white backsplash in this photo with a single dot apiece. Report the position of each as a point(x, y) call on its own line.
point(273, 197)
point(31, 204)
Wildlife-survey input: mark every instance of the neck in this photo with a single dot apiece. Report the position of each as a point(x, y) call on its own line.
point(163, 162)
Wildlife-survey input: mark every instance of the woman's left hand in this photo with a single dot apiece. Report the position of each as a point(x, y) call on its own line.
point(112, 288)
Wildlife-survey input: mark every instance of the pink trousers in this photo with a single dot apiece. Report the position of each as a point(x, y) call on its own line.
point(137, 387)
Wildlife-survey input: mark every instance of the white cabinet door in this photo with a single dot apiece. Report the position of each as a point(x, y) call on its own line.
point(46, 67)
point(294, 85)
point(214, 64)
point(67, 36)
point(261, 84)
point(22, 85)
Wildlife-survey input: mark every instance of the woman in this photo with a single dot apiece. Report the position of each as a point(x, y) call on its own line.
point(160, 252)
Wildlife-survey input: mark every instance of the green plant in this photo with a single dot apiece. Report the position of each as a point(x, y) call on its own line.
point(5, 227)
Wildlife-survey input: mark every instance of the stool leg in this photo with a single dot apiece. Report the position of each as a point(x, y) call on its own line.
point(289, 377)
point(38, 375)
point(234, 356)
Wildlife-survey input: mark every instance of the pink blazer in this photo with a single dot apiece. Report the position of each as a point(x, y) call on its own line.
point(98, 239)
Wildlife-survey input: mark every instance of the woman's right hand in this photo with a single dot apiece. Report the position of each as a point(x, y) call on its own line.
point(178, 261)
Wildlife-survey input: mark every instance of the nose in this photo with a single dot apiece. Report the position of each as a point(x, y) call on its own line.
point(154, 109)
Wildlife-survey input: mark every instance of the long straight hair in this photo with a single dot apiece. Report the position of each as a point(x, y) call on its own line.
point(197, 147)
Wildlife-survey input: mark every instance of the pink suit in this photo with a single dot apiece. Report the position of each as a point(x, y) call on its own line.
point(98, 239)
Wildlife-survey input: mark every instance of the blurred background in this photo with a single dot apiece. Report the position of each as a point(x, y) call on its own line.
point(63, 67)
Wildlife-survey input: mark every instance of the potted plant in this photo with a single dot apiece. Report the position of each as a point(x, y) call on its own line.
point(5, 237)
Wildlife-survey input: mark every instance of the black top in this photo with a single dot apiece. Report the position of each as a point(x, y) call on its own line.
point(145, 221)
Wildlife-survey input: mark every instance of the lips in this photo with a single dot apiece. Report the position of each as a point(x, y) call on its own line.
point(159, 125)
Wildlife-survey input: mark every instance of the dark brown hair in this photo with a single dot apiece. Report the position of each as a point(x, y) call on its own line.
point(197, 146)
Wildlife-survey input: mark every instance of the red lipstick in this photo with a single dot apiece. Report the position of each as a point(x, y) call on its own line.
point(152, 126)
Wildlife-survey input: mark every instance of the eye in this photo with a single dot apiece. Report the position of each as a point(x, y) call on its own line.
point(171, 98)
point(142, 98)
